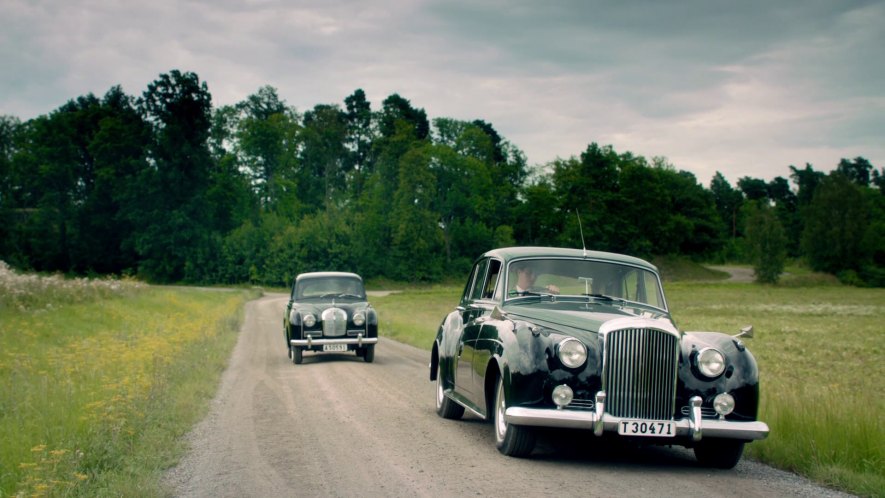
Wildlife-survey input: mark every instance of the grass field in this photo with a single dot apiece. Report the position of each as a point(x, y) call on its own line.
point(99, 381)
point(820, 353)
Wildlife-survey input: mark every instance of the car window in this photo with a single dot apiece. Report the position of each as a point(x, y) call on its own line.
point(479, 279)
point(492, 279)
point(582, 277)
point(329, 287)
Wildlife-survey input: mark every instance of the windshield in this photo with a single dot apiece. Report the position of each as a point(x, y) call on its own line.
point(330, 287)
point(579, 277)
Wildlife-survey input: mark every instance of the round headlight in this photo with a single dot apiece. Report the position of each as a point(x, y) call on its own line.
point(711, 362)
point(309, 320)
point(359, 318)
point(723, 403)
point(562, 395)
point(572, 353)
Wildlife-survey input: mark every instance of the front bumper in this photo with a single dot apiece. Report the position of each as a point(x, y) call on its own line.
point(359, 340)
point(694, 427)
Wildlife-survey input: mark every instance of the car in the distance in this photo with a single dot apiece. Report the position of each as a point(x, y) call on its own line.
point(576, 339)
point(329, 312)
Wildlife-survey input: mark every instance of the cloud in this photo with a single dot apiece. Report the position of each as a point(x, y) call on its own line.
point(746, 88)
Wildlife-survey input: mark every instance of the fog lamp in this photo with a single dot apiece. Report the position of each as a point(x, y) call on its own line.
point(359, 318)
point(723, 403)
point(562, 395)
point(310, 320)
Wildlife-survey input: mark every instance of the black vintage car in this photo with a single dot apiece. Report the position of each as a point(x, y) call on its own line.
point(566, 338)
point(328, 311)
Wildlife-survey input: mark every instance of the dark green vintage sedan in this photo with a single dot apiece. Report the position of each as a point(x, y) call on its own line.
point(329, 312)
point(548, 337)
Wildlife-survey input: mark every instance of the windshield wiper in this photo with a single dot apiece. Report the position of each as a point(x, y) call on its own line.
point(350, 295)
point(539, 295)
point(603, 297)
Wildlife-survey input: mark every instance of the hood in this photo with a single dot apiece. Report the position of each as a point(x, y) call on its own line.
point(580, 322)
point(317, 308)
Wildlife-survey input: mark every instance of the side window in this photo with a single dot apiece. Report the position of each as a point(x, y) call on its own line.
point(479, 274)
point(492, 280)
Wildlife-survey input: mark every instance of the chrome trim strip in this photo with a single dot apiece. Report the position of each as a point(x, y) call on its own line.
point(310, 342)
point(582, 419)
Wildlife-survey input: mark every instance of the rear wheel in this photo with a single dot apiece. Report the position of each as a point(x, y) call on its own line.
point(445, 407)
point(511, 440)
point(719, 453)
point(296, 355)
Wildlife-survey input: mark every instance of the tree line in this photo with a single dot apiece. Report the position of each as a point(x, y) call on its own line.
point(171, 189)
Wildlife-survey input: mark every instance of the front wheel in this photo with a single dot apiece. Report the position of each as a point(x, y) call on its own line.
point(445, 407)
point(297, 355)
point(511, 440)
point(369, 354)
point(719, 453)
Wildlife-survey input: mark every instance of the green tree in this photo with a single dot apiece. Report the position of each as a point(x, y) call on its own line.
point(836, 222)
point(591, 186)
point(754, 189)
point(10, 128)
point(766, 240)
point(786, 207)
point(360, 135)
point(728, 203)
point(416, 241)
point(461, 159)
point(323, 157)
point(539, 219)
point(174, 235)
point(267, 139)
point(857, 170)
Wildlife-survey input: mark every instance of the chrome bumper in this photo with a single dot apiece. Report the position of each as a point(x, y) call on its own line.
point(359, 340)
point(598, 421)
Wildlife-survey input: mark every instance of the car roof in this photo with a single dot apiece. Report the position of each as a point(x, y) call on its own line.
point(513, 253)
point(327, 274)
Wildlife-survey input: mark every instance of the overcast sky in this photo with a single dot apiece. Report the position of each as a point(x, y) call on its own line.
point(743, 87)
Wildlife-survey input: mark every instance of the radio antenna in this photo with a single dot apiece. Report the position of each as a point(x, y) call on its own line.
point(583, 244)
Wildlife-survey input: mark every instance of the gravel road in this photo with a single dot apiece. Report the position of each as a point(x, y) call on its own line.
point(337, 426)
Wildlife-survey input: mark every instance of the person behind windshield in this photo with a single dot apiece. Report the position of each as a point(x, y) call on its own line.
point(525, 282)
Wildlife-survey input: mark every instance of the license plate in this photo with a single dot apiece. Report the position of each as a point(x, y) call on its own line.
point(334, 347)
point(653, 428)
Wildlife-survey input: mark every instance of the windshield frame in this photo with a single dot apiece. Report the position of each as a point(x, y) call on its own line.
point(510, 283)
point(297, 291)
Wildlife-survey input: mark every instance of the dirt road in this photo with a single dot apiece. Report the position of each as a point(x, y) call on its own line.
point(337, 426)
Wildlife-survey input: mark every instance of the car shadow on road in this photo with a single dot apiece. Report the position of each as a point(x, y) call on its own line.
point(583, 447)
point(320, 358)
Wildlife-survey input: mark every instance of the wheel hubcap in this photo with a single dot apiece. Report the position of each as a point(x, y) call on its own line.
point(439, 387)
point(500, 423)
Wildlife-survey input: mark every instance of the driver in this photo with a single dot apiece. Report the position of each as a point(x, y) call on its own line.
point(525, 282)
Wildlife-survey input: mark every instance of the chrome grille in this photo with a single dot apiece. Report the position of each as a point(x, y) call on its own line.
point(334, 322)
point(640, 373)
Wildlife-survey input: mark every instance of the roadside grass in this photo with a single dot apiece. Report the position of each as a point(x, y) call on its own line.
point(819, 350)
point(95, 396)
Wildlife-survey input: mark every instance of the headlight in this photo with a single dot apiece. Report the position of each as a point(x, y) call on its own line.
point(359, 318)
point(309, 320)
point(572, 353)
point(710, 362)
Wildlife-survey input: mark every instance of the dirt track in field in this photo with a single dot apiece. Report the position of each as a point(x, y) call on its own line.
point(337, 426)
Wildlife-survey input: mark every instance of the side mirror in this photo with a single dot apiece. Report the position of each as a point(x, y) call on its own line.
point(745, 332)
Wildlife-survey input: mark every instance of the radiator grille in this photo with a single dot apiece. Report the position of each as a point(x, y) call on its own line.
point(334, 322)
point(640, 373)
